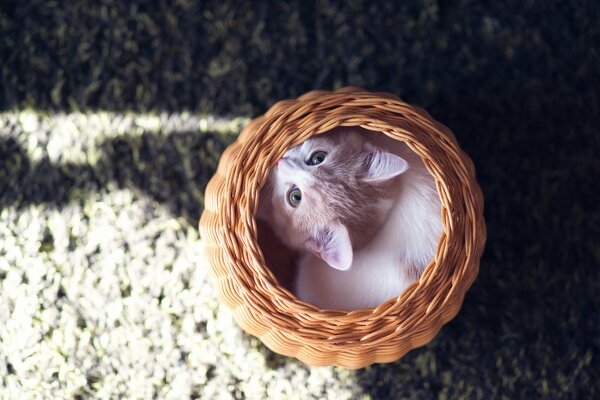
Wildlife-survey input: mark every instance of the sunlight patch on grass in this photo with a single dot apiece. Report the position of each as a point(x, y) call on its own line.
point(72, 137)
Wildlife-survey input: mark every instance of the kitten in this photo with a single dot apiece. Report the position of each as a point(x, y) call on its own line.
point(362, 209)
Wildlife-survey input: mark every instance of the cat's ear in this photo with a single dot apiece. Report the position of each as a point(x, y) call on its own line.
point(333, 245)
point(382, 165)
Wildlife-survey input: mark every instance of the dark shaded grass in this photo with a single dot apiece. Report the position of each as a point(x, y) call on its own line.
point(518, 83)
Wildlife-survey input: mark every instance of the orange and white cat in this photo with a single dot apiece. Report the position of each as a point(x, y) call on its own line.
point(362, 209)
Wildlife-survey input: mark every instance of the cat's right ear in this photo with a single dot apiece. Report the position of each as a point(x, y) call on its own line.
point(382, 165)
point(333, 245)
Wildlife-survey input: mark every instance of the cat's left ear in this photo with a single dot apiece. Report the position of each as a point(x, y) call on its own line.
point(382, 165)
point(333, 245)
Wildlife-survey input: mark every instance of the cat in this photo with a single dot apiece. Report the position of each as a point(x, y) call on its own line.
point(363, 211)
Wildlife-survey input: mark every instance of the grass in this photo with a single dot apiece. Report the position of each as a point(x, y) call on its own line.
point(114, 116)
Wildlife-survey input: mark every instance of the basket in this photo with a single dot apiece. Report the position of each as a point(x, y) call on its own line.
point(253, 270)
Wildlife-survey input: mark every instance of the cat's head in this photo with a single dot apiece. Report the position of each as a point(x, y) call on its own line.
point(329, 194)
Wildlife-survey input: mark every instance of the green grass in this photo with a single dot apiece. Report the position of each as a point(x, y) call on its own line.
point(516, 81)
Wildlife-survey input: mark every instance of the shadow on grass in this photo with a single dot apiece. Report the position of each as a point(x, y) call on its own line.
point(173, 169)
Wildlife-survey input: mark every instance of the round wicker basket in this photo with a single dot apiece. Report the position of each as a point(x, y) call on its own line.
point(252, 269)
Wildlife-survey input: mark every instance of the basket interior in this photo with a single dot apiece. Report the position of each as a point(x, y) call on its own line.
point(280, 259)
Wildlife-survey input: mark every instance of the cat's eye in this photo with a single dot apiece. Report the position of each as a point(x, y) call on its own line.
point(317, 158)
point(294, 197)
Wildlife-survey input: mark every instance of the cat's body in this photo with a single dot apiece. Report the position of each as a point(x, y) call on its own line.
point(367, 223)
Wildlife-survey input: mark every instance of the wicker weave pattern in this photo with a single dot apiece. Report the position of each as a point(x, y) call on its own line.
point(333, 337)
